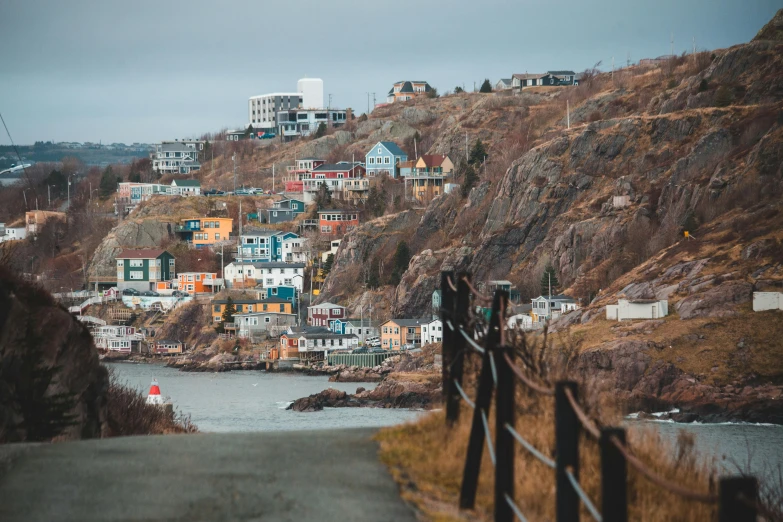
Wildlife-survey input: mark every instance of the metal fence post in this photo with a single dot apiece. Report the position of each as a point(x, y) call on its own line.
point(470, 474)
point(567, 430)
point(737, 497)
point(504, 442)
point(447, 346)
point(614, 490)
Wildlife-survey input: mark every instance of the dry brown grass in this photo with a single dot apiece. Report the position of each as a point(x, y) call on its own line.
point(427, 459)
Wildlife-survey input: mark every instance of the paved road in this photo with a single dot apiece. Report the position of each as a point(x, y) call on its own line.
point(325, 476)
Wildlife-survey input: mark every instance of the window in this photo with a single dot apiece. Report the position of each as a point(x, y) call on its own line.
point(217, 308)
point(120, 262)
point(380, 151)
point(136, 263)
point(217, 236)
point(371, 160)
point(137, 274)
point(267, 320)
point(198, 277)
point(387, 160)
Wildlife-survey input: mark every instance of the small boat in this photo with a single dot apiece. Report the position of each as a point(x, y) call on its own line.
point(154, 396)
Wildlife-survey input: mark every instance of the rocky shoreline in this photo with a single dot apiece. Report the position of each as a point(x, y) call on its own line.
point(388, 394)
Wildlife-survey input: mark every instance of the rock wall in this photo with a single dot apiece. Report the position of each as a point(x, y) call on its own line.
point(36, 332)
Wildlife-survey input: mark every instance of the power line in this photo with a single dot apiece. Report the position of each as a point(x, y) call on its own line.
point(18, 155)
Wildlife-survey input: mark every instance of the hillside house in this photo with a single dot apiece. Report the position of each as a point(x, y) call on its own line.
point(334, 246)
point(142, 269)
point(130, 194)
point(284, 210)
point(254, 324)
point(337, 222)
point(197, 282)
point(405, 168)
point(268, 274)
point(546, 308)
point(289, 293)
point(185, 187)
point(504, 84)
point(767, 301)
point(323, 314)
point(264, 245)
point(548, 79)
point(384, 158)
point(35, 220)
point(407, 90)
point(506, 286)
point(627, 309)
point(429, 175)
point(437, 298)
point(312, 344)
point(361, 328)
point(398, 333)
point(334, 176)
point(295, 174)
point(175, 158)
point(12, 233)
point(241, 304)
point(201, 232)
point(432, 332)
point(116, 338)
point(168, 347)
point(520, 321)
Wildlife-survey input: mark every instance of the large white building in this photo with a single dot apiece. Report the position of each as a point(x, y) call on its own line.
point(311, 91)
point(262, 110)
point(239, 274)
point(177, 157)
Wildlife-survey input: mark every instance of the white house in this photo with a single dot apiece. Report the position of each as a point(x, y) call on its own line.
point(253, 323)
point(185, 187)
point(432, 332)
point(334, 245)
point(12, 233)
point(637, 309)
point(546, 308)
point(767, 301)
point(520, 321)
point(238, 273)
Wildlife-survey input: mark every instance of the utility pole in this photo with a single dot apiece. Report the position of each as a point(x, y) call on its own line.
point(234, 157)
point(368, 104)
point(330, 102)
point(373, 100)
point(273, 175)
point(69, 193)
point(466, 147)
point(568, 114)
point(612, 70)
point(694, 46)
point(671, 42)
point(49, 191)
point(628, 59)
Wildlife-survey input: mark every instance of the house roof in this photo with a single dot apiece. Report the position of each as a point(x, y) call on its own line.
point(407, 164)
point(505, 80)
point(260, 231)
point(561, 73)
point(336, 167)
point(560, 297)
point(175, 146)
point(528, 76)
point(337, 211)
point(500, 282)
point(269, 264)
point(433, 160)
point(167, 341)
point(364, 322)
point(236, 301)
point(326, 305)
point(409, 322)
point(391, 147)
point(141, 253)
point(186, 183)
point(273, 299)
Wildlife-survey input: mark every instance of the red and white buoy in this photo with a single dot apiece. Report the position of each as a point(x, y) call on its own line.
point(154, 397)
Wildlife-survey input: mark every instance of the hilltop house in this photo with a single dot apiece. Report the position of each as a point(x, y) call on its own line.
point(337, 222)
point(323, 314)
point(399, 333)
point(201, 232)
point(504, 84)
point(548, 79)
point(141, 269)
point(626, 309)
point(429, 175)
point(548, 308)
point(384, 158)
point(284, 210)
point(185, 187)
point(407, 90)
point(239, 274)
point(174, 157)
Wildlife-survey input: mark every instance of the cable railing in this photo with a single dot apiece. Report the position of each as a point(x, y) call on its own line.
point(737, 497)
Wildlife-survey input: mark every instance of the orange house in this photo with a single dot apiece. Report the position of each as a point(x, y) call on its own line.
point(201, 232)
point(337, 222)
point(198, 282)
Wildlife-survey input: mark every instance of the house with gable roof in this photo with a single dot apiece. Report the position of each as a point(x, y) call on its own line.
point(429, 175)
point(407, 90)
point(384, 158)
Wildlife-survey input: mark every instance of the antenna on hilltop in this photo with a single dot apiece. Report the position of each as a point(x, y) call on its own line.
point(628, 59)
point(671, 43)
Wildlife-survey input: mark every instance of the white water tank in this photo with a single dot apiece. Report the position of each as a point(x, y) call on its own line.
point(312, 91)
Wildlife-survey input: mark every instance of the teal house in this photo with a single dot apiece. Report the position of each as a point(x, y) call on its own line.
point(144, 269)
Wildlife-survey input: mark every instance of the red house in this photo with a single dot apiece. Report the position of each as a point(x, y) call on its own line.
point(337, 222)
point(322, 314)
point(333, 175)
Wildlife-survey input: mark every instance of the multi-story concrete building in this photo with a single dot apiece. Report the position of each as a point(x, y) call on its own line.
point(262, 110)
point(304, 122)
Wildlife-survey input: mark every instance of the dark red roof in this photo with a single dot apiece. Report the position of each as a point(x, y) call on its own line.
point(141, 253)
point(433, 160)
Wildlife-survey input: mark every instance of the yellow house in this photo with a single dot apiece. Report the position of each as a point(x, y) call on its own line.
point(205, 231)
point(397, 333)
point(245, 306)
point(429, 175)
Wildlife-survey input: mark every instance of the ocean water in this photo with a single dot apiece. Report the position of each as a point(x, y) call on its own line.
point(254, 400)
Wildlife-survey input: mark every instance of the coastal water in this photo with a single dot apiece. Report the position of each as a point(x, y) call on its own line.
point(254, 400)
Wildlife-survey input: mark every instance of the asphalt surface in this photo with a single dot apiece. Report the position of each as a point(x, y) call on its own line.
point(331, 475)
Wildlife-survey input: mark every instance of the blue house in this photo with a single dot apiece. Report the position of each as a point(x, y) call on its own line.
point(283, 292)
point(384, 158)
point(283, 210)
point(262, 246)
point(338, 326)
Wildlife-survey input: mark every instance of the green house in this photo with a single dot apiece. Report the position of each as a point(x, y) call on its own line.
point(144, 269)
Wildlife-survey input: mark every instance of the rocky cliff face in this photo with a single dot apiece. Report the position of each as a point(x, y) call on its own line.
point(51, 383)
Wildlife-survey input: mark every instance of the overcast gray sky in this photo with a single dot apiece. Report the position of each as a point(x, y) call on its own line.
point(145, 70)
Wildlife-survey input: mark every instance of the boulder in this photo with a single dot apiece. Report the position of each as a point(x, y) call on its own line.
point(719, 301)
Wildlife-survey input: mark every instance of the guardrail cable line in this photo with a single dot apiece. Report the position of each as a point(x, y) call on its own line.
point(540, 456)
point(451, 284)
point(522, 377)
point(588, 424)
point(473, 343)
point(488, 436)
point(493, 368)
point(582, 495)
point(451, 326)
point(464, 395)
point(514, 508)
point(639, 466)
